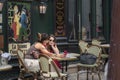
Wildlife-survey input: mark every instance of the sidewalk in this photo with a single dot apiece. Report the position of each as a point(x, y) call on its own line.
point(83, 76)
point(72, 74)
point(72, 71)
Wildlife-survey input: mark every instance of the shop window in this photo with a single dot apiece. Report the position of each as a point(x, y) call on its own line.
point(72, 22)
point(86, 20)
point(99, 20)
point(92, 20)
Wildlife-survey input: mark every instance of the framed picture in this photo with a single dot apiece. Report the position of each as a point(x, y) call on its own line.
point(14, 46)
point(19, 21)
point(0, 28)
point(0, 18)
point(1, 6)
point(1, 42)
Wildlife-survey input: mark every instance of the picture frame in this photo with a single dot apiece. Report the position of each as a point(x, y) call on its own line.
point(1, 18)
point(1, 29)
point(19, 25)
point(19, 21)
point(1, 6)
point(1, 41)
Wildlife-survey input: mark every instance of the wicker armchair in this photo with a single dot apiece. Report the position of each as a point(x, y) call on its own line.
point(23, 67)
point(49, 70)
point(92, 68)
point(83, 46)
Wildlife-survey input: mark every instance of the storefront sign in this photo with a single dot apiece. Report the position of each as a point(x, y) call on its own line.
point(14, 46)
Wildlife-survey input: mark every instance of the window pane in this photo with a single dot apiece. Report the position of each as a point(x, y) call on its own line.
point(72, 20)
point(86, 32)
point(99, 23)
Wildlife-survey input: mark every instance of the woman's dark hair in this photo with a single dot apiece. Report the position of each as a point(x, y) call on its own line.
point(51, 35)
point(49, 47)
point(43, 36)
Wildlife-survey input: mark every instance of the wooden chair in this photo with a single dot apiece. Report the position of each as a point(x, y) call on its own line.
point(49, 70)
point(23, 67)
point(92, 68)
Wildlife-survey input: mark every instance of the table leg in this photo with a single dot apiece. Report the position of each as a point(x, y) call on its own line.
point(62, 66)
point(66, 66)
point(87, 74)
point(64, 63)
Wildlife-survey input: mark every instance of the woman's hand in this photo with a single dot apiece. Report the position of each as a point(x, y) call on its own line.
point(60, 55)
point(51, 43)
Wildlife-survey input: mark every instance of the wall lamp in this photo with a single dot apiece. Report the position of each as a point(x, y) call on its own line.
point(43, 6)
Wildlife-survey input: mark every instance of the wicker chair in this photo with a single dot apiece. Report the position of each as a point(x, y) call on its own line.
point(104, 55)
point(23, 67)
point(49, 70)
point(83, 46)
point(92, 68)
point(96, 42)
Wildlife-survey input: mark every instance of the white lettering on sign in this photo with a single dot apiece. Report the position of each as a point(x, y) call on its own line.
point(14, 46)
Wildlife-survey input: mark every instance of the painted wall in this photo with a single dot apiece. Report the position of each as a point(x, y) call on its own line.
point(43, 23)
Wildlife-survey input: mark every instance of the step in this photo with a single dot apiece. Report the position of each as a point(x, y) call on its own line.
point(62, 43)
point(61, 39)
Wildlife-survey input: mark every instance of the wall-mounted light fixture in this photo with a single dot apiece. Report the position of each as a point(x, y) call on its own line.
point(43, 6)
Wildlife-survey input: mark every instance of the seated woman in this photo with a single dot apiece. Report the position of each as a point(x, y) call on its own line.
point(35, 50)
point(52, 47)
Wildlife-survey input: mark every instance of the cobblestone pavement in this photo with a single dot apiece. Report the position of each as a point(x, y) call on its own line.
point(82, 76)
point(73, 76)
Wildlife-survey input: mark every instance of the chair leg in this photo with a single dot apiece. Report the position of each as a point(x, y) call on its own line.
point(77, 76)
point(92, 76)
point(21, 75)
point(92, 73)
point(63, 78)
point(78, 72)
point(87, 74)
point(66, 77)
point(98, 73)
point(99, 76)
point(35, 76)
